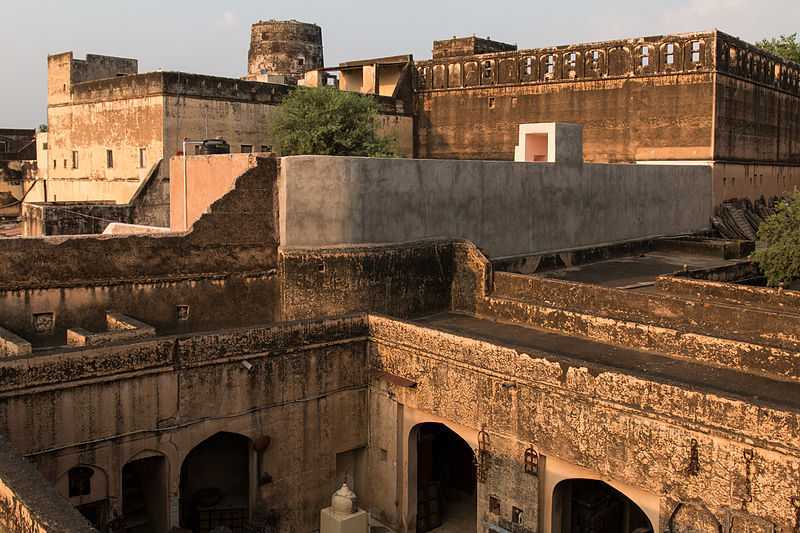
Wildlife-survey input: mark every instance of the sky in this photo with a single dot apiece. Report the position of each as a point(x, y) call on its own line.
point(212, 37)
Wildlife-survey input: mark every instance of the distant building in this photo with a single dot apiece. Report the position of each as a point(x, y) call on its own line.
point(17, 163)
point(284, 48)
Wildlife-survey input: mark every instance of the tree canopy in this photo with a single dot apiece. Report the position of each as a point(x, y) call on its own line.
point(780, 237)
point(786, 46)
point(327, 121)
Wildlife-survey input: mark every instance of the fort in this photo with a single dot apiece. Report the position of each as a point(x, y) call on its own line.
point(526, 325)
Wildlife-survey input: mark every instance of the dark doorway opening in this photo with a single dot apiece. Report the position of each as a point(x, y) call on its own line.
point(215, 485)
point(446, 481)
point(592, 506)
point(144, 496)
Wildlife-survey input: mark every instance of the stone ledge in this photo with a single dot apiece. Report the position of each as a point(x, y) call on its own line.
point(12, 345)
point(121, 328)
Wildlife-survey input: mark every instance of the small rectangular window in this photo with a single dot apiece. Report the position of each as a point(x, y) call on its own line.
point(142, 158)
point(528, 66)
point(3, 146)
point(645, 57)
point(74, 159)
point(247, 148)
point(65, 163)
point(492, 102)
point(695, 51)
point(55, 163)
point(109, 159)
point(551, 64)
point(44, 146)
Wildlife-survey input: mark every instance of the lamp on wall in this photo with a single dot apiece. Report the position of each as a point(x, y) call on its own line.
point(482, 456)
point(531, 462)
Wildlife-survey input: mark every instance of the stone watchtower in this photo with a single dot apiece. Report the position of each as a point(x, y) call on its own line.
point(284, 48)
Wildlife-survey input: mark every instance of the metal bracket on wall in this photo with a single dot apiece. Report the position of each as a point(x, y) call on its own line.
point(531, 462)
point(694, 459)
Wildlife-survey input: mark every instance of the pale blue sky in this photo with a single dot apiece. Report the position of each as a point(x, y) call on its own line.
point(212, 37)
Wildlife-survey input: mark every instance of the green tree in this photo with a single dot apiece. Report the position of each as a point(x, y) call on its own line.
point(786, 46)
point(327, 121)
point(780, 237)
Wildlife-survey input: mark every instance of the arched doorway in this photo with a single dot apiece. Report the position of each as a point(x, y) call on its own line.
point(446, 481)
point(592, 506)
point(144, 495)
point(215, 484)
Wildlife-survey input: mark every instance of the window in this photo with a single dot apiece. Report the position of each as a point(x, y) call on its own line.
point(74, 159)
point(645, 56)
point(65, 163)
point(595, 60)
point(266, 148)
point(301, 61)
point(44, 146)
point(551, 64)
point(528, 66)
point(80, 481)
point(492, 102)
point(142, 158)
point(670, 54)
point(264, 36)
point(109, 159)
point(573, 59)
point(55, 163)
point(247, 148)
point(487, 70)
point(3, 146)
point(695, 51)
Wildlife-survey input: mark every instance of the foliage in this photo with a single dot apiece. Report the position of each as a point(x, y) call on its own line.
point(327, 121)
point(786, 46)
point(780, 236)
point(42, 128)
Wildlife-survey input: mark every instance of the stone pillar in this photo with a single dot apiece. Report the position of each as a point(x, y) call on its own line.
point(343, 516)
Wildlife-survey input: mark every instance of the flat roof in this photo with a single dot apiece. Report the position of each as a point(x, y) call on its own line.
point(598, 357)
point(634, 270)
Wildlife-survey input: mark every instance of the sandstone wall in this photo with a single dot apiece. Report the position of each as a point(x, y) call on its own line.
point(305, 390)
point(505, 208)
point(627, 428)
point(635, 99)
point(29, 503)
point(405, 280)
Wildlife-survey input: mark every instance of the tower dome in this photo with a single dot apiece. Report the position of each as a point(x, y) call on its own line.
point(284, 47)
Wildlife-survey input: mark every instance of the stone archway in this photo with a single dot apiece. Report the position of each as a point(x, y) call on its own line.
point(593, 506)
point(445, 485)
point(145, 490)
point(215, 484)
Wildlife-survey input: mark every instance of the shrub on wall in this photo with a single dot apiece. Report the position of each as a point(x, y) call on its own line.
point(779, 238)
point(327, 121)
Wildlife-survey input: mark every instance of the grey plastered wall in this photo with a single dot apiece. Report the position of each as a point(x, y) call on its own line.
point(506, 208)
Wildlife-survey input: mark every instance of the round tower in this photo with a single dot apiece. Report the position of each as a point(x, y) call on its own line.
point(284, 47)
